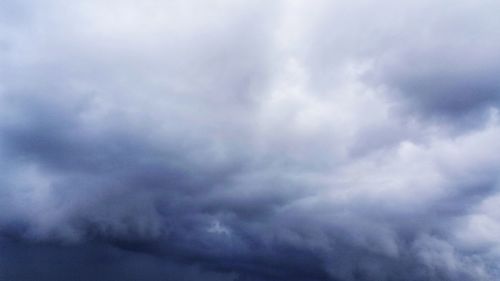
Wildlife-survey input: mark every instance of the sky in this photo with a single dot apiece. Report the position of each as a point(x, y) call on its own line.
point(249, 140)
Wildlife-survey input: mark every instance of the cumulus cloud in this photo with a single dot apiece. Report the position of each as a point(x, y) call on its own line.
point(248, 140)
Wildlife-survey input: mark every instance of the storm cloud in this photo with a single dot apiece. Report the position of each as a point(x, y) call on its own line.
point(249, 140)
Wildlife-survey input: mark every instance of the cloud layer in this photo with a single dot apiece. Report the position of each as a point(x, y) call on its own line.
point(249, 140)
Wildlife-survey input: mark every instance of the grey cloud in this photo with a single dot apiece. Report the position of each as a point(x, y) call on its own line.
point(248, 141)
point(437, 59)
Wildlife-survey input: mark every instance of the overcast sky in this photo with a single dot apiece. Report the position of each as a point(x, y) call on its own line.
point(249, 140)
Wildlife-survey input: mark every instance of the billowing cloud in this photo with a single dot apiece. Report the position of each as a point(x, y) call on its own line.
point(249, 140)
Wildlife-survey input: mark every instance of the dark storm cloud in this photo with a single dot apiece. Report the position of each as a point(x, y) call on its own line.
point(248, 141)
